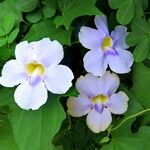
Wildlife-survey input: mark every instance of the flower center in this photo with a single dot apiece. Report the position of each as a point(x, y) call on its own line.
point(35, 67)
point(100, 98)
point(107, 42)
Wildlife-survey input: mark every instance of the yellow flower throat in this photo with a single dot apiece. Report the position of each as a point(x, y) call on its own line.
point(100, 98)
point(34, 67)
point(107, 42)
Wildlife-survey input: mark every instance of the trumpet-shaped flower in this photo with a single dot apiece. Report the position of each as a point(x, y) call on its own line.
point(36, 70)
point(105, 49)
point(97, 99)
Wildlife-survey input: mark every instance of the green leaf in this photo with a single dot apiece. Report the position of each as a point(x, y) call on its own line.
point(8, 23)
point(126, 12)
point(2, 32)
point(72, 9)
point(9, 7)
point(48, 11)
point(124, 140)
point(3, 41)
point(26, 5)
point(71, 92)
point(13, 35)
point(6, 135)
point(135, 37)
point(140, 25)
point(142, 49)
point(48, 30)
point(114, 4)
point(34, 130)
point(34, 16)
point(141, 84)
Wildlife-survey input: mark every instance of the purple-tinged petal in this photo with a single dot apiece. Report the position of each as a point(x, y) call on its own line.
point(98, 107)
point(90, 38)
point(88, 85)
point(109, 83)
point(118, 63)
point(119, 34)
point(125, 55)
point(58, 79)
point(13, 73)
point(95, 62)
point(78, 106)
point(98, 122)
point(31, 97)
point(118, 103)
point(101, 24)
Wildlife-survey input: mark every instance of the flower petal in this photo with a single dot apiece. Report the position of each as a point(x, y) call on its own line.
point(58, 79)
point(31, 97)
point(95, 62)
point(118, 63)
point(109, 83)
point(101, 24)
point(49, 52)
point(117, 103)
point(125, 55)
point(119, 34)
point(88, 85)
point(23, 51)
point(13, 73)
point(78, 106)
point(90, 38)
point(99, 121)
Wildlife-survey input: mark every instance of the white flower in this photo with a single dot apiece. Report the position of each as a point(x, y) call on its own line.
point(36, 70)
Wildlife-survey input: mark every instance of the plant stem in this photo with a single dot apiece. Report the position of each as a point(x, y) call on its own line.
point(130, 117)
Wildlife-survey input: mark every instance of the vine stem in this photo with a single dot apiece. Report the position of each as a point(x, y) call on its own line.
point(129, 117)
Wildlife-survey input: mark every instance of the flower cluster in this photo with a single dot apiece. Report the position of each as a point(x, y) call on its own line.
point(36, 69)
point(97, 97)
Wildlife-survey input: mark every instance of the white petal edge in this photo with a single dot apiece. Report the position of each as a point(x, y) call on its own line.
point(49, 52)
point(98, 122)
point(78, 106)
point(30, 97)
point(13, 73)
point(118, 103)
point(58, 79)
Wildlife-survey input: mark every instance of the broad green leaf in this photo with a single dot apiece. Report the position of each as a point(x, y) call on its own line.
point(135, 37)
point(9, 7)
point(8, 23)
point(124, 140)
point(5, 54)
point(114, 4)
point(26, 5)
point(34, 16)
point(48, 29)
point(2, 32)
point(73, 9)
point(48, 11)
point(126, 12)
point(142, 49)
point(141, 84)
point(3, 41)
point(6, 135)
point(13, 35)
point(140, 25)
point(34, 130)
point(71, 92)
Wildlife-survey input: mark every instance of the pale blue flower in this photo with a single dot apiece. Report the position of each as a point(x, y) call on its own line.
point(105, 49)
point(35, 70)
point(97, 99)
